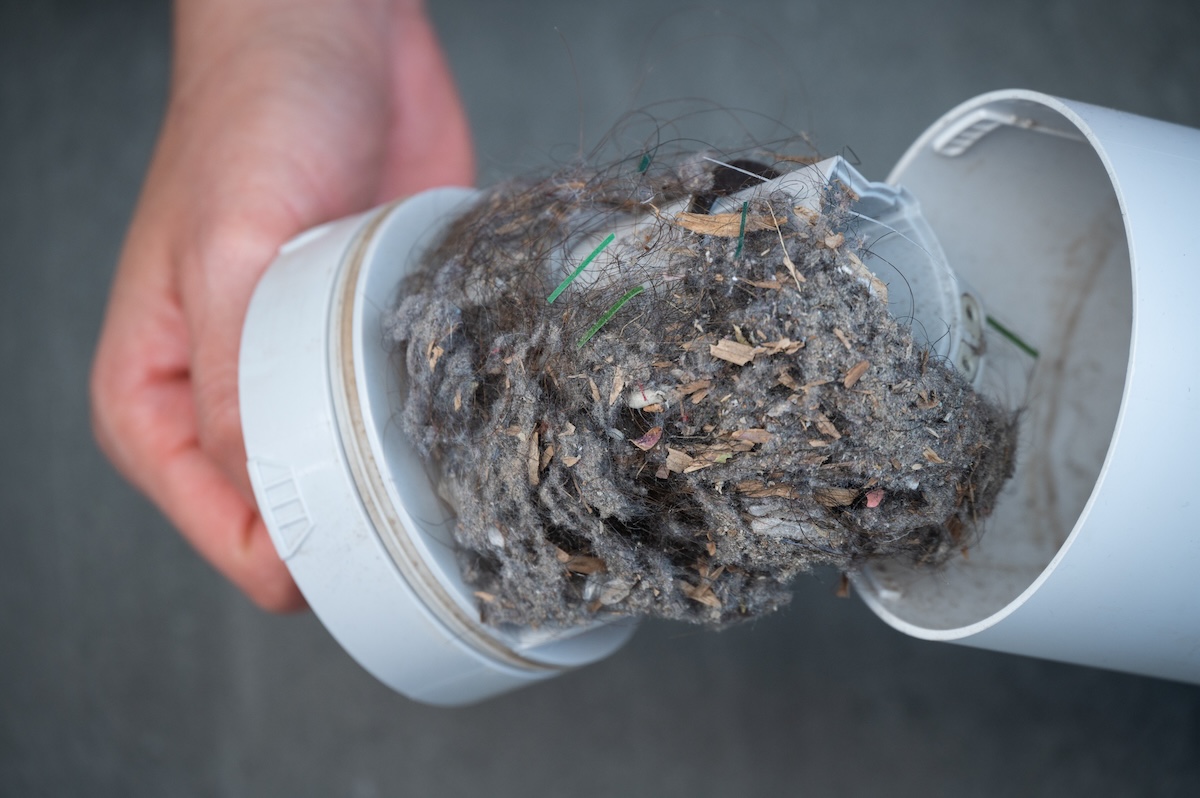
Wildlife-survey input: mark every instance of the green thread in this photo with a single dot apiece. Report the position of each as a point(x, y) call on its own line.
point(608, 314)
point(1010, 335)
point(742, 231)
point(571, 278)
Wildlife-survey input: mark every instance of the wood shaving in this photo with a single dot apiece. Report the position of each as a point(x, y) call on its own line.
point(855, 373)
point(732, 351)
point(726, 225)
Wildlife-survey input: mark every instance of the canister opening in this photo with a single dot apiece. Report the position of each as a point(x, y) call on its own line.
point(1028, 216)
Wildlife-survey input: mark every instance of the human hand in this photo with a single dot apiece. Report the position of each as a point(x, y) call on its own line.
point(283, 114)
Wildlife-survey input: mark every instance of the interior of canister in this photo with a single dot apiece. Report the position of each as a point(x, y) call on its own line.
point(420, 539)
point(1029, 219)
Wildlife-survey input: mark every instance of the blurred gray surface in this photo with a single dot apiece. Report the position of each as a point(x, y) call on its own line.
point(127, 667)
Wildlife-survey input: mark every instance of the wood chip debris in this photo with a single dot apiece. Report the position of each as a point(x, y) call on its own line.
point(433, 352)
point(841, 336)
point(618, 385)
point(761, 490)
point(730, 445)
point(878, 287)
point(692, 388)
point(825, 426)
point(855, 373)
point(932, 456)
point(835, 497)
point(580, 563)
point(709, 457)
point(752, 435)
point(703, 592)
point(784, 346)
point(787, 259)
point(533, 460)
point(732, 351)
point(835, 241)
point(724, 225)
point(677, 460)
point(741, 353)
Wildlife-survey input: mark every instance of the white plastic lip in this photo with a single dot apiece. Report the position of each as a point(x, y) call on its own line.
point(1119, 591)
point(348, 510)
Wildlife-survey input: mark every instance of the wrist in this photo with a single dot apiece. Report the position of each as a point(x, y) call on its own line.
point(209, 32)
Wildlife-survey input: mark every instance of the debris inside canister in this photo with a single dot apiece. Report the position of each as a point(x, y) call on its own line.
point(636, 406)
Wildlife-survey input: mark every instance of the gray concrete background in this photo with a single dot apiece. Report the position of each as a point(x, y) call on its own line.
point(127, 667)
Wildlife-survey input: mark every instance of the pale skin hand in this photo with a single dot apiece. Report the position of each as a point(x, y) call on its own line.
point(283, 114)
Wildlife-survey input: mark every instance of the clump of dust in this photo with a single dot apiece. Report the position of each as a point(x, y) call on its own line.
point(726, 402)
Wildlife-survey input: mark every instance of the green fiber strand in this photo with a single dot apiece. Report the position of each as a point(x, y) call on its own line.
point(608, 314)
point(1010, 335)
point(742, 231)
point(578, 271)
point(645, 164)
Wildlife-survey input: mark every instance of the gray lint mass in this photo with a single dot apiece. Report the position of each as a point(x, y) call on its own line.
point(716, 402)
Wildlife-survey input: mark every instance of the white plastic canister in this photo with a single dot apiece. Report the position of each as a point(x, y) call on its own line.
point(1077, 225)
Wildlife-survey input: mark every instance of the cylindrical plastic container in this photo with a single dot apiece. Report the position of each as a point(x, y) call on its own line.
point(349, 506)
point(1077, 225)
